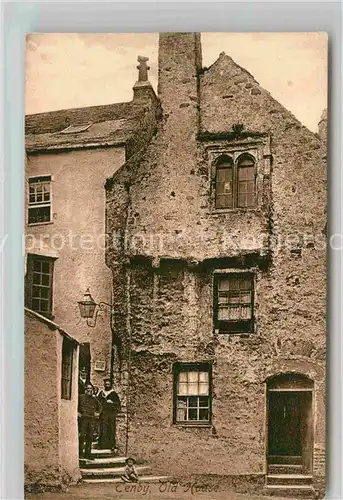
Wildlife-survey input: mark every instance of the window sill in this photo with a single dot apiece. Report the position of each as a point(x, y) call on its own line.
point(240, 334)
point(197, 425)
point(39, 223)
point(224, 211)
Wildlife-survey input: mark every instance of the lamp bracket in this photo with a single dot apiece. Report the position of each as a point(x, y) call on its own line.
point(101, 306)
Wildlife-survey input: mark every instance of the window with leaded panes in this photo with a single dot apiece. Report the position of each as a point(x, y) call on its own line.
point(192, 394)
point(39, 284)
point(67, 368)
point(234, 302)
point(39, 208)
point(245, 182)
point(235, 182)
point(224, 182)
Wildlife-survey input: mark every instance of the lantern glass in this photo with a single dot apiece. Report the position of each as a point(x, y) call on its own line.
point(87, 305)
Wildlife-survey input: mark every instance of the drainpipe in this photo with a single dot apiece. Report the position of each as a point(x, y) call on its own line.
point(112, 323)
point(112, 350)
point(128, 327)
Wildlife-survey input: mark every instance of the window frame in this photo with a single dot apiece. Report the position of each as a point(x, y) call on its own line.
point(29, 283)
point(43, 204)
point(67, 363)
point(237, 168)
point(235, 157)
point(233, 327)
point(188, 367)
point(224, 162)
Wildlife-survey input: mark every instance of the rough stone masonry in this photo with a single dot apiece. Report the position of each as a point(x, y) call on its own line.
point(174, 241)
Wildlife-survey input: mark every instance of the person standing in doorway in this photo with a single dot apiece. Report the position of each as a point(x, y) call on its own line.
point(82, 380)
point(110, 404)
point(88, 411)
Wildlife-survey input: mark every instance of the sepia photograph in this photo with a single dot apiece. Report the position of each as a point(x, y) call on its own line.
point(175, 265)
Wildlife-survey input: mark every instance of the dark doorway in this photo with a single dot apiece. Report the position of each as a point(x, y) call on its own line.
point(85, 358)
point(290, 422)
point(284, 430)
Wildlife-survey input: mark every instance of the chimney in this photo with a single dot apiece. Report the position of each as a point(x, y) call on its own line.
point(142, 89)
point(178, 89)
point(179, 62)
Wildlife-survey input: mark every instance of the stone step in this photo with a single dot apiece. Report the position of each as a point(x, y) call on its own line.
point(102, 462)
point(289, 479)
point(285, 469)
point(142, 479)
point(285, 459)
point(290, 491)
point(108, 472)
point(102, 453)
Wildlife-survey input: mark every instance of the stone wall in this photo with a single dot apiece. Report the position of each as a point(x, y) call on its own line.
point(42, 466)
point(166, 300)
point(181, 330)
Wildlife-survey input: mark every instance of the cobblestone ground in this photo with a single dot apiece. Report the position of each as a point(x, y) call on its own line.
point(121, 491)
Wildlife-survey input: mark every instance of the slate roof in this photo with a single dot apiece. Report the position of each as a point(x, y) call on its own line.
point(106, 125)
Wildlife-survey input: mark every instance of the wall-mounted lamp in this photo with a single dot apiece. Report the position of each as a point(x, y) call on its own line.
point(88, 307)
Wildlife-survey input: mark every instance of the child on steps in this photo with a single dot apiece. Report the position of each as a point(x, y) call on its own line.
point(130, 475)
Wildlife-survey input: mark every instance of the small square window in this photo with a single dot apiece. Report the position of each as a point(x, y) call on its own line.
point(192, 394)
point(234, 303)
point(39, 209)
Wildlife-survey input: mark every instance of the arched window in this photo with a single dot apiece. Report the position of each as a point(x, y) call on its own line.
point(224, 182)
point(235, 182)
point(245, 182)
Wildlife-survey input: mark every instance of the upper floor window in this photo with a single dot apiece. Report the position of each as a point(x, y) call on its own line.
point(192, 394)
point(67, 368)
point(38, 285)
point(224, 182)
point(235, 182)
point(39, 209)
point(234, 303)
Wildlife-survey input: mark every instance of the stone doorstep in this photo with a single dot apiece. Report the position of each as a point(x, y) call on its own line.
point(289, 476)
point(292, 487)
point(285, 469)
point(142, 479)
point(102, 462)
point(289, 479)
point(113, 471)
point(291, 491)
point(96, 451)
point(102, 453)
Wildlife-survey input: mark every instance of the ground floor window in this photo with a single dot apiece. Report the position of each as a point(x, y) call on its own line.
point(192, 394)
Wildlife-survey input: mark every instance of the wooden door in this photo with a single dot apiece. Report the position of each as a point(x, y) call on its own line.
point(284, 424)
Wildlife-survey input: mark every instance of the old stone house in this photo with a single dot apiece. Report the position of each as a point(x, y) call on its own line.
point(209, 241)
point(219, 281)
